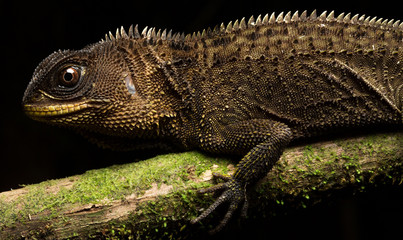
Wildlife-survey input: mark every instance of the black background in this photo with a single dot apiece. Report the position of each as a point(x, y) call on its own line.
point(32, 152)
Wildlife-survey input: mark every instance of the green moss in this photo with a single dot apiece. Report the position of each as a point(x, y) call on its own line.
point(112, 183)
point(166, 218)
point(318, 168)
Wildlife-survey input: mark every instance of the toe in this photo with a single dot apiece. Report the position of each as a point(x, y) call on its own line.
point(222, 176)
point(233, 206)
point(212, 189)
point(223, 198)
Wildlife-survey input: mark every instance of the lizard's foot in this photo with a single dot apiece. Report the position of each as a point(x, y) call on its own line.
point(234, 193)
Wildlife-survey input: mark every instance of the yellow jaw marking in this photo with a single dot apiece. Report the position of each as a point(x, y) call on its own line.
point(53, 110)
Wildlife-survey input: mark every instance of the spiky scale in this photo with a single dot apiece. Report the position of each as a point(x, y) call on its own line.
point(287, 17)
point(144, 32)
point(272, 18)
point(242, 24)
point(354, 19)
point(367, 20)
point(379, 22)
point(390, 23)
point(228, 29)
point(280, 17)
point(259, 20)
point(169, 36)
point(265, 19)
point(150, 33)
point(164, 34)
point(303, 16)
point(131, 34)
point(136, 31)
point(251, 21)
point(216, 30)
point(117, 34)
point(123, 32)
point(204, 33)
point(313, 15)
point(295, 17)
point(158, 34)
point(177, 36)
point(188, 37)
point(396, 24)
point(111, 37)
point(372, 21)
point(330, 17)
point(153, 34)
point(347, 18)
point(222, 28)
point(236, 25)
point(340, 18)
point(322, 17)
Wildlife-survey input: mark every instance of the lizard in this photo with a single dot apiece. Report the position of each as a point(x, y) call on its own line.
point(247, 88)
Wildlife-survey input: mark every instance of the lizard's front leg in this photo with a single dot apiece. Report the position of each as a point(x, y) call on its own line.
point(266, 140)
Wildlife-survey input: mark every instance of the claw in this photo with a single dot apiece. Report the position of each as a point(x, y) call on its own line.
point(234, 194)
point(223, 198)
point(218, 186)
point(222, 176)
point(233, 206)
point(244, 211)
point(212, 189)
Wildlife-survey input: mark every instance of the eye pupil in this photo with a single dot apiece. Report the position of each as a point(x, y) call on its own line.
point(69, 77)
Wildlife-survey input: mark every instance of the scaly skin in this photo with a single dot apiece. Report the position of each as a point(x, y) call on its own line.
point(248, 88)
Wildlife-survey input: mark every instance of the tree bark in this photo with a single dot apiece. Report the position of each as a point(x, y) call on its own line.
point(156, 198)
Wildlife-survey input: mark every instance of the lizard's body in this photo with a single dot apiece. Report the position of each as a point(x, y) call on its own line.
point(247, 88)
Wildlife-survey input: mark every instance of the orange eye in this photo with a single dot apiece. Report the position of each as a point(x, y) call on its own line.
point(69, 77)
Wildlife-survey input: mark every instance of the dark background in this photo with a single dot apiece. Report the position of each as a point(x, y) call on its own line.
point(32, 152)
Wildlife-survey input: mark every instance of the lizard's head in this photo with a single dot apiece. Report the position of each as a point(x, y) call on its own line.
point(96, 89)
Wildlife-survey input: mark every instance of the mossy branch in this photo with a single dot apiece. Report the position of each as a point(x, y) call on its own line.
point(156, 198)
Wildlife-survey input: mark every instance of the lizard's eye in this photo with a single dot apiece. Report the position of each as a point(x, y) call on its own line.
point(69, 77)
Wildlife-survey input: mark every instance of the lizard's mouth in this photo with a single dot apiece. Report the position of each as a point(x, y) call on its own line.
point(54, 110)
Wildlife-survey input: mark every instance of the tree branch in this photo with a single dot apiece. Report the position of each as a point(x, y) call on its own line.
point(156, 198)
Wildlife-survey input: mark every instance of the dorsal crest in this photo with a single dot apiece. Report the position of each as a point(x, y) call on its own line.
point(152, 34)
